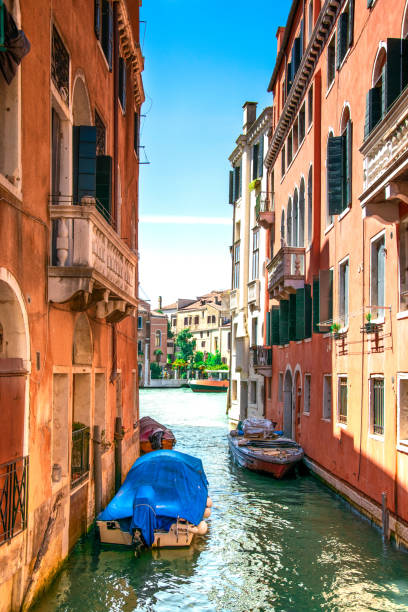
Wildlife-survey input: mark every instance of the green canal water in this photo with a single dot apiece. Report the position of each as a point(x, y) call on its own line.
point(289, 546)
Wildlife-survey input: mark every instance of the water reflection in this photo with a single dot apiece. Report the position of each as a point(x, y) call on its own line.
point(285, 546)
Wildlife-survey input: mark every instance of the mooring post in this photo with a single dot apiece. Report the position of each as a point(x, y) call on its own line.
point(385, 518)
point(97, 468)
point(118, 453)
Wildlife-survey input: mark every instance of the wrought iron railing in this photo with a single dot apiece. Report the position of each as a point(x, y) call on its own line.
point(68, 200)
point(60, 65)
point(80, 455)
point(261, 356)
point(262, 203)
point(13, 498)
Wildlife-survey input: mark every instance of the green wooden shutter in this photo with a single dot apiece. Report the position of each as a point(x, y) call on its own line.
point(342, 37)
point(104, 185)
point(300, 314)
point(97, 17)
point(296, 56)
point(392, 69)
point(275, 325)
point(231, 187)
point(236, 182)
point(316, 306)
point(335, 175)
point(289, 78)
point(350, 31)
point(107, 31)
point(284, 322)
point(268, 329)
point(255, 160)
point(292, 317)
point(84, 161)
point(308, 311)
point(260, 156)
point(373, 110)
point(348, 155)
point(240, 181)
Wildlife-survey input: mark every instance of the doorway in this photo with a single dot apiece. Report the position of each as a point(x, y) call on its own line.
point(287, 406)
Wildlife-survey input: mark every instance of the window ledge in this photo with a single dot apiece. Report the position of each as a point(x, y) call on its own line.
point(306, 414)
point(402, 448)
point(344, 213)
point(342, 425)
point(325, 420)
point(299, 341)
point(402, 315)
point(376, 437)
point(328, 228)
point(330, 87)
point(307, 340)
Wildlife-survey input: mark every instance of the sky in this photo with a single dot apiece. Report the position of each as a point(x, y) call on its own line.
point(201, 65)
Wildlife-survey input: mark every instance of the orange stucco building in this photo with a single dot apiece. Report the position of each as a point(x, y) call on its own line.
point(69, 172)
point(337, 253)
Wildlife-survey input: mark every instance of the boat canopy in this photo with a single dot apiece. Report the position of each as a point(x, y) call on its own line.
point(217, 374)
point(159, 488)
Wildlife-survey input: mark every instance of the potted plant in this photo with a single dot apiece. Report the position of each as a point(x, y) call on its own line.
point(369, 326)
point(335, 330)
point(254, 184)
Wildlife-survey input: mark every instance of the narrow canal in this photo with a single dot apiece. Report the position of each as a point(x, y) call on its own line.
point(286, 546)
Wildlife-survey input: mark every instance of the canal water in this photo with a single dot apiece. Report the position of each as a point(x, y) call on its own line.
point(286, 546)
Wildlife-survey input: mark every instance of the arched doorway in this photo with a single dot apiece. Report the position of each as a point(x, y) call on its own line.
point(287, 405)
point(298, 411)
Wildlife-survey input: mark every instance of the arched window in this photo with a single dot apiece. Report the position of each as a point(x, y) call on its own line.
point(301, 240)
point(295, 229)
point(283, 227)
point(289, 224)
point(310, 206)
point(158, 338)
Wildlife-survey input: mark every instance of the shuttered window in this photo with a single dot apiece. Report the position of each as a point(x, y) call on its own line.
point(97, 17)
point(289, 77)
point(106, 34)
point(331, 61)
point(231, 187)
point(322, 306)
point(122, 83)
point(255, 161)
point(345, 32)
point(84, 162)
point(275, 340)
point(268, 331)
point(339, 171)
point(344, 293)
point(296, 56)
point(303, 317)
point(260, 157)
point(104, 185)
point(373, 110)
point(235, 184)
point(292, 317)
point(284, 322)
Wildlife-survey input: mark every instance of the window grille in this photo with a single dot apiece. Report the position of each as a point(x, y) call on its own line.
point(13, 498)
point(100, 135)
point(377, 405)
point(342, 399)
point(60, 66)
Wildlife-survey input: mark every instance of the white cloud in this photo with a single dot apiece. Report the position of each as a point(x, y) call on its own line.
point(183, 220)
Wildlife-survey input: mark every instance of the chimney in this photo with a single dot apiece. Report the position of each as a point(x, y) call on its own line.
point(160, 302)
point(249, 115)
point(279, 36)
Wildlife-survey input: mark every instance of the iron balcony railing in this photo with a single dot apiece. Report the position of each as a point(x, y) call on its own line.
point(261, 356)
point(80, 455)
point(68, 200)
point(13, 498)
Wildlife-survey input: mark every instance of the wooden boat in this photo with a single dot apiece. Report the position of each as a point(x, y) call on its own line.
point(216, 382)
point(154, 436)
point(275, 456)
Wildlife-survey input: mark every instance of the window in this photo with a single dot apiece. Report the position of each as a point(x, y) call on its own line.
point(255, 331)
point(257, 159)
point(235, 184)
point(301, 239)
point(331, 61)
point(403, 264)
point(122, 83)
point(289, 224)
point(236, 266)
point(342, 400)
point(139, 322)
point(295, 220)
point(253, 392)
point(302, 123)
point(100, 135)
point(344, 293)
point(196, 320)
point(377, 277)
point(310, 106)
point(234, 391)
point(280, 388)
point(283, 227)
point(255, 254)
point(213, 319)
point(345, 31)
point(403, 409)
point(377, 405)
point(208, 320)
point(158, 338)
point(289, 146)
point(310, 19)
point(203, 344)
point(327, 396)
point(283, 160)
point(339, 168)
point(310, 206)
point(201, 334)
point(322, 301)
point(306, 401)
point(185, 321)
point(295, 137)
point(139, 347)
point(103, 25)
point(208, 334)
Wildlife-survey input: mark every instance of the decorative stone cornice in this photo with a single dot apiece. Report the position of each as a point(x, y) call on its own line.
point(261, 124)
point(131, 51)
point(325, 23)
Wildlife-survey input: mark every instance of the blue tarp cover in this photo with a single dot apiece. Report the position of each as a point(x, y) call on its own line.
point(161, 486)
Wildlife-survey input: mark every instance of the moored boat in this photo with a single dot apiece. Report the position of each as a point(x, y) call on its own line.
point(255, 445)
point(154, 436)
point(162, 503)
point(216, 382)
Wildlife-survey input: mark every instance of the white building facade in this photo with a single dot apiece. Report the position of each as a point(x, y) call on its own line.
point(252, 215)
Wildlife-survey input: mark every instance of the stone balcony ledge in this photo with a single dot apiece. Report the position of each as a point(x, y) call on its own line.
point(90, 264)
point(286, 272)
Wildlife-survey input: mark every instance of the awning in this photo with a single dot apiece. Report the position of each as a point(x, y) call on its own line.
point(14, 44)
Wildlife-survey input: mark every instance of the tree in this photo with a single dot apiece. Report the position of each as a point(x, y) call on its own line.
point(155, 370)
point(186, 345)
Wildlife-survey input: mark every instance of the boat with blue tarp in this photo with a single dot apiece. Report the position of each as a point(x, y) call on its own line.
point(162, 503)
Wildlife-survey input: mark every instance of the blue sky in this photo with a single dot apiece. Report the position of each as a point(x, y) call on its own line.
point(201, 66)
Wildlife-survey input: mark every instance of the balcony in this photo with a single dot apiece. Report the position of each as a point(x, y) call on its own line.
point(386, 163)
point(13, 498)
point(253, 294)
point(90, 265)
point(262, 360)
point(265, 215)
point(286, 272)
point(234, 299)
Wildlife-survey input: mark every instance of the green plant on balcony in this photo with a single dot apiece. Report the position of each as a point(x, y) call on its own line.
point(254, 184)
point(335, 330)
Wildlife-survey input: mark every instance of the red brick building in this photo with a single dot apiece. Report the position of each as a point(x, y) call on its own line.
point(337, 254)
point(69, 133)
